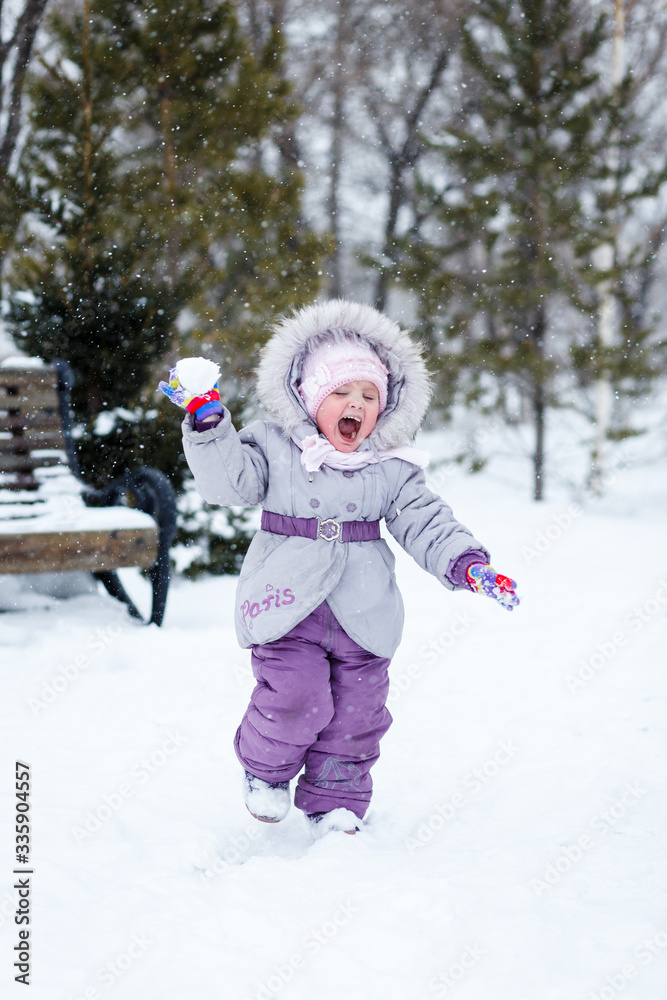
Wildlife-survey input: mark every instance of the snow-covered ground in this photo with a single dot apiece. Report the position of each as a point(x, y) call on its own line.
point(515, 848)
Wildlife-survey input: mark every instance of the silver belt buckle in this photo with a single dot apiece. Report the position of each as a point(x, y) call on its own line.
point(329, 529)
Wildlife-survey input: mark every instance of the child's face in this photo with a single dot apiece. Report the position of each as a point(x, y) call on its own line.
point(348, 415)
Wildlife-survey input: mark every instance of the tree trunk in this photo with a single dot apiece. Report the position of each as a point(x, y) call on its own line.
point(169, 165)
point(15, 54)
point(334, 201)
point(539, 401)
point(11, 83)
point(336, 152)
point(396, 200)
point(539, 410)
point(608, 311)
point(88, 178)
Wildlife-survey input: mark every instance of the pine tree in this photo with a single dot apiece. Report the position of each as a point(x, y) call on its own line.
point(503, 258)
point(148, 151)
point(160, 220)
point(203, 137)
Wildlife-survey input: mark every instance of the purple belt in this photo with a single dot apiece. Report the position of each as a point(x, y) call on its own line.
point(315, 527)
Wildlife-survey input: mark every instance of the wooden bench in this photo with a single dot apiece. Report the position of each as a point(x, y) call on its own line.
point(50, 520)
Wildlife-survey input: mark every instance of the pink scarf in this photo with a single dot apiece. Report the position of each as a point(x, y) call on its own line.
point(316, 451)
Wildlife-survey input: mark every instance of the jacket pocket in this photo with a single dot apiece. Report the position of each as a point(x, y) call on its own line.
point(263, 545)
point(387, 555)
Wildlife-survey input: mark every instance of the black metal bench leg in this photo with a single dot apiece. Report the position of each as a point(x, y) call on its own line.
point(153, 494)
point(160, 576)
point(117, 590)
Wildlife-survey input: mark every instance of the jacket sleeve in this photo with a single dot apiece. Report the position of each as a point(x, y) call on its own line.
point(229, 467)
point(425, 526)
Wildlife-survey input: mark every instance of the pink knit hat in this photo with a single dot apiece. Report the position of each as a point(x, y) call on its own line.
point(336, 362)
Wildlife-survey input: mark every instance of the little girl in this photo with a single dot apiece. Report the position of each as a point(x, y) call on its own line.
point(317, 601)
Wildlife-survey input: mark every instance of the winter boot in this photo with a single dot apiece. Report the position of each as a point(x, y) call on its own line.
point(337, 821)
point(268, 801)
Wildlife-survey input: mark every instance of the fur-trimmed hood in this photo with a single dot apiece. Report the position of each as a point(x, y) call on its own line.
point(279, 370)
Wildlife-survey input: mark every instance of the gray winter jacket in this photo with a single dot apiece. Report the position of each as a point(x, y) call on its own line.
point(284, 578)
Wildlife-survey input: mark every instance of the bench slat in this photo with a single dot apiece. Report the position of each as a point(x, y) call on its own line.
point(29, 440)
point(41, 399)
point(26, 463)
point(20, 483)
point(28, 378)
point(11, 423)
point(77, 550)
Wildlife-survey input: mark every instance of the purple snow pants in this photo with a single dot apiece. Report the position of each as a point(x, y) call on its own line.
point(319, 702)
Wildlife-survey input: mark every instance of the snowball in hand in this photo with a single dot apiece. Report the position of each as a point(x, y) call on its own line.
point(197, 375)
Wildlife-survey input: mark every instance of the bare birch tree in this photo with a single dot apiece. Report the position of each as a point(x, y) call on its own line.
point(641, 28)
point(18, 27)
point(371, 77)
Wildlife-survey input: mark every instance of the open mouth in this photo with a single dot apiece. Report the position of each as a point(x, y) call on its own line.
point(348, 428)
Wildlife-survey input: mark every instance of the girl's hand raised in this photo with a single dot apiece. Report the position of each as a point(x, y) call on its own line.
point(193, 386)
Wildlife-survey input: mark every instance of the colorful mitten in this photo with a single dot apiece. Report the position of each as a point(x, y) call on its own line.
point(485, 580)
point(193, 386)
